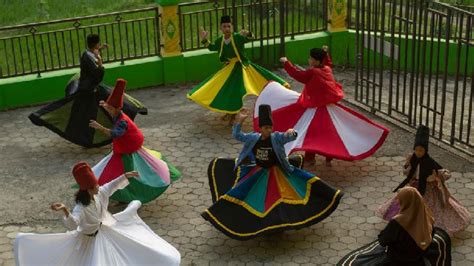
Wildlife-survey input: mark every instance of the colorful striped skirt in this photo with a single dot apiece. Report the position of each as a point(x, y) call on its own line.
point(224, 91)
point(156, 174)
point(253, 201)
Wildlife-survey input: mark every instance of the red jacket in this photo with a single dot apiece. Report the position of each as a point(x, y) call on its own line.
point(320, 88)
point(129, 142)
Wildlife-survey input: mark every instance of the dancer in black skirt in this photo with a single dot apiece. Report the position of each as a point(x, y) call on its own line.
point(69, 117)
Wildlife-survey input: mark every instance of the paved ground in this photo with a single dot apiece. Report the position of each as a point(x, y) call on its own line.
point(35, 171)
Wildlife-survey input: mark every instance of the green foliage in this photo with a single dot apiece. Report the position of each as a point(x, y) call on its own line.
point(35, 11)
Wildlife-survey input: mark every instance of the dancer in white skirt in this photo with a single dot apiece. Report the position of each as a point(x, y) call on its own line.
point(324, 125)
point(97, 237)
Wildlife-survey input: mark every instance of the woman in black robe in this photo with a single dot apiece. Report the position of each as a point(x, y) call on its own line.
point(409, 239)
point(69, 117)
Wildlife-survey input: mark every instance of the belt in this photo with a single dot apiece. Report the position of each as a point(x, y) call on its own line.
point(95, 233)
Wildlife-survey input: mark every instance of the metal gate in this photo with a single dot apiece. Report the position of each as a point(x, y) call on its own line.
point(415, 63)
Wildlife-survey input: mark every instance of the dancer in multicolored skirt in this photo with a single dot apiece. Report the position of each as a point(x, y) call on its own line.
point(268, 194)
point(127, 154)
point(224, 91)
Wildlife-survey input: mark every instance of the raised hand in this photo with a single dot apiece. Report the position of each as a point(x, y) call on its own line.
point(202, 33)
point(244, 32)
point(244, 113)
point(104, 46)
point(290, 132)
point(283, 59)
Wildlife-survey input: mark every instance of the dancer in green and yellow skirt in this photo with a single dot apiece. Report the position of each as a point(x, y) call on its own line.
point(224, 91)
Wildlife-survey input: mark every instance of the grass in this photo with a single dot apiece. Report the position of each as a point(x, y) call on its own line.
point(56, 46)
point(50, 49)
point(43, 10)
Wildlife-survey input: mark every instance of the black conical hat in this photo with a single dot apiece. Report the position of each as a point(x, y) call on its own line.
point(422, 137)
point(225, 19)
point(265, 115)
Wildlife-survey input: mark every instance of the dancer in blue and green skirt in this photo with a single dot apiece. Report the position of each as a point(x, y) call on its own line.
point(224, 91)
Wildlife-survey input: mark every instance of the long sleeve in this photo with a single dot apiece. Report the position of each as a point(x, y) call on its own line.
point(238, 134)
point(389, 234)
point(285, 138)
point(214, 46)
point(327, 61)
point(302, 76)
point(72, 221)
point(118, 183)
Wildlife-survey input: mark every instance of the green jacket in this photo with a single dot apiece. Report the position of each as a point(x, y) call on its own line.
point(227, 51)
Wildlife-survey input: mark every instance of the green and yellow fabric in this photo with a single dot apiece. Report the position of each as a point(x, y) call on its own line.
point(224, 91)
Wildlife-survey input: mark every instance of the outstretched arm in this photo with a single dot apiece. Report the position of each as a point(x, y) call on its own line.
point(211, 46)
point(300, 75)
point(116, 184)
point(245, 36)
point(289, 136)
point(327, 61)
point(96, 125)
point(237, 128)
point(70, 220)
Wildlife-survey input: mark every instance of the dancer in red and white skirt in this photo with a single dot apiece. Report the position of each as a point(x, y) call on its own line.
point(324, 125)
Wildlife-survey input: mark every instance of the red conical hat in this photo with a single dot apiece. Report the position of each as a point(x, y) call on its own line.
point(84, 176)
point(116, 97)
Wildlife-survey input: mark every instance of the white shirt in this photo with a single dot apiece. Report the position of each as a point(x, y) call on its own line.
point(87, 219)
